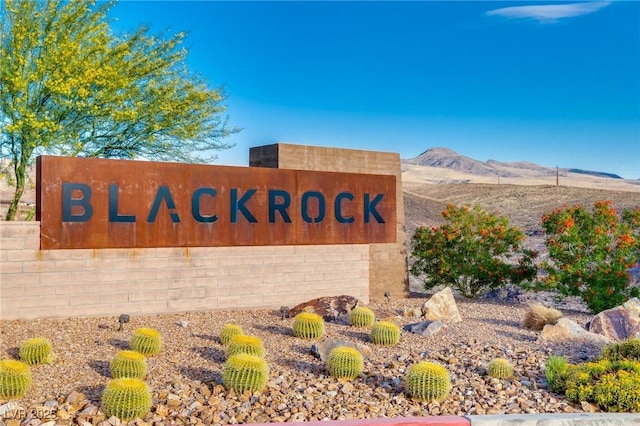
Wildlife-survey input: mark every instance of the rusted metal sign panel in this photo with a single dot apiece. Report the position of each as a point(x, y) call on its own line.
point(97, 203)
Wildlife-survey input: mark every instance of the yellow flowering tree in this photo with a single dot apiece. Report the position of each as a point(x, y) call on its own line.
point(69, 86)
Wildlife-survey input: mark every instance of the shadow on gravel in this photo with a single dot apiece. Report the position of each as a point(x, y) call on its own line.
point(14, 352)
point(204, 375)
point(285, 331)
point(92, 393)
point(357, 335)
point(521, 337)
point(101, 367)
point(504, 323)
point(208, 337)
point(210, 354)
point(119, 343)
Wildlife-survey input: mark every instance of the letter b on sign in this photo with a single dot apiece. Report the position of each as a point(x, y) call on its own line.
point(68, 202)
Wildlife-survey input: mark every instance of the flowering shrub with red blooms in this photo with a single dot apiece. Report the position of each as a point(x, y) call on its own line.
point(591, 252)
point(473, 252)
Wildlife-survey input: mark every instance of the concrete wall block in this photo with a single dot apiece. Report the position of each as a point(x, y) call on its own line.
point(251, 270)
point(11, 267)
point(32, 243)
point(139, 296)
point(180, 273)
point(146, 307)
point(127, 275)
point(211, 292)
point(21, 255)
point(128, 253)
point(192, 304)
point(39, 266)
point(80, 288)
point(193, 293)
point(80, 311)
point(19, 302)
point(55, 254)
point(19, 229)
point(313, 276)
point(70, 265)
point(172, 252)
point(196, 252)
point(23, 291)
point(18, 280)
point(54, 300)
point(27, 314)
point(13, 243)
point(113, 298)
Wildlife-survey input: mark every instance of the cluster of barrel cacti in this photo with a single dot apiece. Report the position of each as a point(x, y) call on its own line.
point(15, 376)
point(245, 368)
point(308, 325)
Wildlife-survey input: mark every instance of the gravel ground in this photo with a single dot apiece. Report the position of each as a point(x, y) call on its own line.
point(186, 376)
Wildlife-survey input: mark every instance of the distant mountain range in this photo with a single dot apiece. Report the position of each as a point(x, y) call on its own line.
point(449, 159)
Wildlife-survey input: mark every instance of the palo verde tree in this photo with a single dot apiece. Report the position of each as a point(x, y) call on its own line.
point(69, 86)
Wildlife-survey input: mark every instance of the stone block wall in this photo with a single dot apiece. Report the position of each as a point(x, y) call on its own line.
point(38, 283)
point(387, 262)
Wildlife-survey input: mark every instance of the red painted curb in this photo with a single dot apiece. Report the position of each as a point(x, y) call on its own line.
point(400, 421)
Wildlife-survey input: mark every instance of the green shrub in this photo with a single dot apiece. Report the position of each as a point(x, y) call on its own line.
point(147, 341)
point(556, 370)
point(307, 325)
point(126, 399)
point(473, 252)
point(385, 333)
point(590, 254)
point(245, 372)
point(128, 364)
point(244, 344)
point(500, 368)
point(15, 378)
point(428, 381)
point(362, 317)
point(345, 363)
point(228, 331)
point(627, 349)
point(36, 351)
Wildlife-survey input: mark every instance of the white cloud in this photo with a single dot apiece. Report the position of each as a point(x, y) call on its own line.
point(550, 13)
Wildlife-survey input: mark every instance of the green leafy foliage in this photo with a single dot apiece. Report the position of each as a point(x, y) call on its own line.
point(126, 398)
point(556, 370)
point(473, 252)
point(15, 378)
point(590, 254)
point(627, 349)
point(245, 344)
point(428, 381)
point(362, 317)
point(228, 331)
point(385, 333)
point(245, 372)
point(70, 86)
point(36, 351)
point(307, 325)
point(500, 368)
point(345, 363)
point(128, 364)
point(147, 341)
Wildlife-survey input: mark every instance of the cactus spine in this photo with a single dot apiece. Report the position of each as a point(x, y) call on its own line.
point(15, 378)
point(362, 317)
point(345, 362)
point(428, 381)
point(228, 331)
point(500, 368)
point(385, 333)
point(126, 398)
point(147, 341)
point(244, 344)
point(130, 364)
point(245, 372)
point(307, 325)
point(36, 351)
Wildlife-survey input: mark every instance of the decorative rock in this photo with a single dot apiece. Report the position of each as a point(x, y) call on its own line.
point(566, 330)
point(412, 312)
point(442, 307)
point(619, 323)
point(75, 397)
point(330, 308)
point(322, 349)
point(6, 410)
point(425, 328)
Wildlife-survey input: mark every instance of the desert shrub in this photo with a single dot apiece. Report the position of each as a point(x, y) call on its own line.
point(15, 378)
point(473, 252)
point(427, 381)
point(537, 316)
point(556, 370)
point(627, 349)
point(147, 341)
point(614, 386)
point(36, 351)
point(500, 368)
point(126, 398)
point(590, 254)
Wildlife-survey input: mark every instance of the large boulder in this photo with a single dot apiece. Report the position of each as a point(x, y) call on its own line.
point(425, 328)
point(441, 307)
point(330, 308)
point(568, 331)
point(619, 323)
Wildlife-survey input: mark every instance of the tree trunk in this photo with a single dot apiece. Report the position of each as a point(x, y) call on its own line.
point(19, 169)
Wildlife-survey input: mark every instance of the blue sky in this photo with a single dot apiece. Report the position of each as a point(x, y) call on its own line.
point(555, 83)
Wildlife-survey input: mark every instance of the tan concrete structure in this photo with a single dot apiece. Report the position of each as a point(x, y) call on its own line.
point(387, 262)
point(38, 283)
